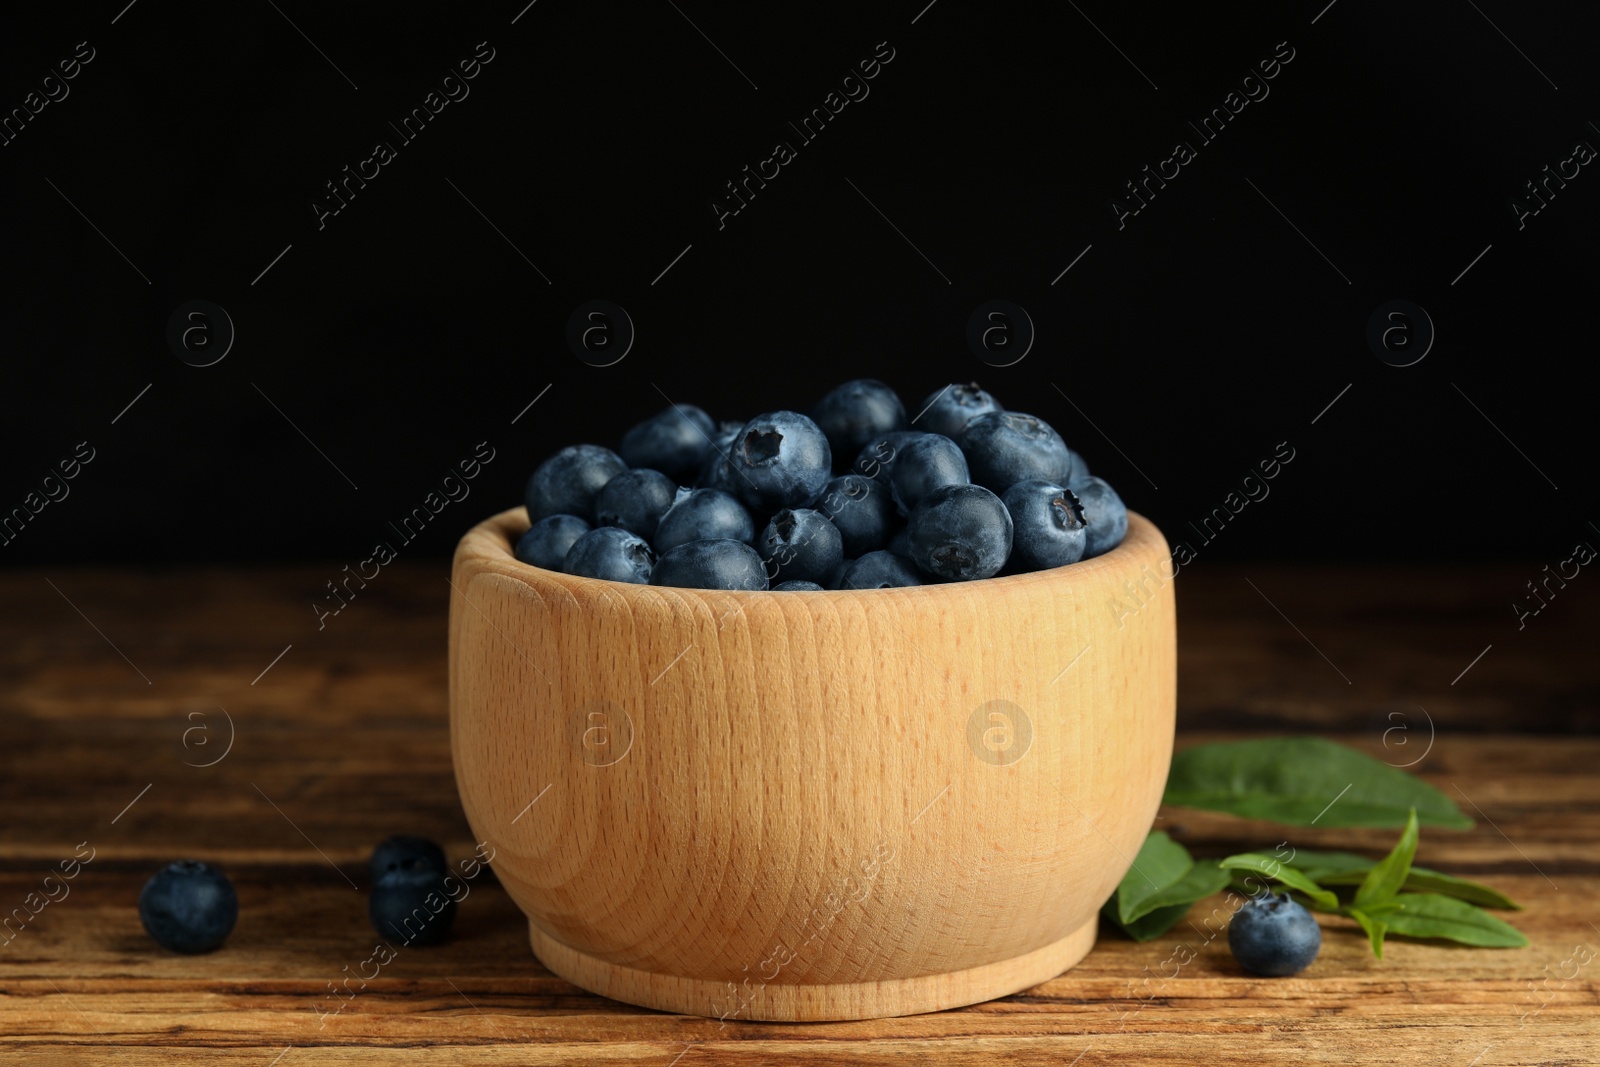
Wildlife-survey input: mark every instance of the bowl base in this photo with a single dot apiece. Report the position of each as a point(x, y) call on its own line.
point(797, 1002)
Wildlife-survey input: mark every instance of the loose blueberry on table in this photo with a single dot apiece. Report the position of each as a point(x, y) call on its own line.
point(1274, 935)
point(188, 907)
point(853, 496)
point(410, 901)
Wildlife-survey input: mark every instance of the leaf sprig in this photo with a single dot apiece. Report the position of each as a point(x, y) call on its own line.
point(1288, 780)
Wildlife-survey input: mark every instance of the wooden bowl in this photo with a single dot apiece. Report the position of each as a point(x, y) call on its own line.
point(803, 806)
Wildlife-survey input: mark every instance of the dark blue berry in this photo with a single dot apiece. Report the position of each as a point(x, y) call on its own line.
point(876, 458)
point(1047, 525)
point(780, 460)
point(900, 543)
point(801, 544)
point(924, 464)
point(855, 413)
point(716, 470)
point(674, 441)
point(610, 553)
point(1104, 513)
point(1006, 447)
point(877, 570)
point(1080, 470)
point(961, 533)
point(188, 907)
point(567, 482)
point(411, 901)
point(717, 564)
point(703, 515)
point(635, 500)
point(862, 510)
point(1273, 935)
point(403, 852)
point(948, 410)
point(797, 586)
point(547, 541)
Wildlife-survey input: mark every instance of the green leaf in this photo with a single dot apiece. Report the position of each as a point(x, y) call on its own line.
point(1347, 868)
point(1389, 874)
point(1149, 927)
point(1301, 780)
point(1202, 880)
point(1160, 864)
point(1422, 880)
point(1159, 888)
point(1278, 871)
point(1435, 915)
point(1332, 868)
point(1375, 929)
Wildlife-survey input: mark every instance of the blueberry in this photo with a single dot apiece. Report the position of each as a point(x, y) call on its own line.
point(410, 900)
point(404, 852)
point(900, 543)
point(855, 413)
point(716, 472)
point(960, 532)
point(1006, 447)
point(862, 510)
point(1080, 471)
point(635, 500)
point(716, 564)
point(877, 570)
point(702, 515)
point(1274, 935)
point(567, 482)
point(876, 459)
point(188, 907)
point(1047, 524)
point(610, 553)
point(1105, 514)
point(781, 460)
point(948, 410)
point(798, 586)
point(675, 441)
point(547, 541)
point(800, 544)
point(923, 465)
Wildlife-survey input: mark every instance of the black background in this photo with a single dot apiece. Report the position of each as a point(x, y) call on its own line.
point(408, 329)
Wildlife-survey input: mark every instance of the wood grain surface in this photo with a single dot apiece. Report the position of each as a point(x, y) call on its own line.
point(344, 740)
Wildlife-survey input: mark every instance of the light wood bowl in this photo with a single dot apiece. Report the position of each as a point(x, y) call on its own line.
point(805, 806)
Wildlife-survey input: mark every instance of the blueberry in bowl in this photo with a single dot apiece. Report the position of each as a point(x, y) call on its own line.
point(547, 541)
point(781, 460)
point(960, 533)
point(1006, 447)
point(856, 412)
point(568, 482)
point(611, 553)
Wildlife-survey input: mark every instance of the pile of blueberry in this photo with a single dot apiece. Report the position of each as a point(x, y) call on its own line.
point(853, 496)
point(190, 907)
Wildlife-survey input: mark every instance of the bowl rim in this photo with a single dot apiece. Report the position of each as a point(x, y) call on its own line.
point(489, 544)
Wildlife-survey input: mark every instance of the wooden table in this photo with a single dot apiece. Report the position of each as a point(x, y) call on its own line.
point(341, 740)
